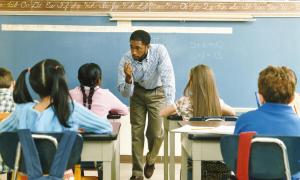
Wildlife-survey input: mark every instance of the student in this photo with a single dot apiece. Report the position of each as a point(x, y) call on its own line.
point(7, 103)
point(200, 97)
point(55, 112)
point(276, 87)
point(92, 96)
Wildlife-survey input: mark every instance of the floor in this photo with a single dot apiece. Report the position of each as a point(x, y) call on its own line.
point(125, 172)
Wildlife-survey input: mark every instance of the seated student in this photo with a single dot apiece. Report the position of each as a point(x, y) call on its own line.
point(200, 97)
point(276, 86)
point(55, 112)
point(7, 103)
point(92, 96)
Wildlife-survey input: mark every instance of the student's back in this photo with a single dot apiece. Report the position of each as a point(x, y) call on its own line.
point(270, 119)
point(55, 112)
point(92, 96)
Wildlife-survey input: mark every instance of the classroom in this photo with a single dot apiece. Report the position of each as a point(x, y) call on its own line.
point(236, 39)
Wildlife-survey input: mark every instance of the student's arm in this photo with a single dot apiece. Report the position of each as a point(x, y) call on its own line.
point(226, 109)
point(10, 123)
point(116, 105)
point(165, 68)
point(124, 85)
point(168, 110)
point(296, 104)
point(90, 122)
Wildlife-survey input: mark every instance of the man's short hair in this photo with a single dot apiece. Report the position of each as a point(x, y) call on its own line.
point(6, 78)
point(277, 84)
point(141, 35)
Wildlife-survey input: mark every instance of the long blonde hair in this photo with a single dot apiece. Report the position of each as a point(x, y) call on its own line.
point(202, 91)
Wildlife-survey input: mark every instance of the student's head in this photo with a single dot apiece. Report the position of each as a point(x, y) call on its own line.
point(47, 79)
point(202, 91)
point(6, 78)
point(139, 44)
point(277, 84)
point(89, 75)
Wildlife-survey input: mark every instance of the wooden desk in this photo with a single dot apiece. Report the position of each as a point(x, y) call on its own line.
point(170, 123)
point(200, 147)
point(105, 148)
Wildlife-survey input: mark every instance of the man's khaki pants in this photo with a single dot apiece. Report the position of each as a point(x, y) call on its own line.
point(145, 101)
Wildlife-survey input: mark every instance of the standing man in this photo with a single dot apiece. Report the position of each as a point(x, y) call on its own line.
point(146, 76)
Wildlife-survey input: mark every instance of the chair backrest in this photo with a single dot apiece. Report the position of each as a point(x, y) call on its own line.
point(267, 159)
point(46, 149)
point(214, 118)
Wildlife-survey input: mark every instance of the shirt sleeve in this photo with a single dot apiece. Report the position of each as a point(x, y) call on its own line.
point(11, 122)
point(124, 88)
point(116, 105)
point(89, 121)
point(165, 68)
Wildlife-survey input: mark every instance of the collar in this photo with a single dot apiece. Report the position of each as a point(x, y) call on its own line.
point(5, 90)
point(277, 107)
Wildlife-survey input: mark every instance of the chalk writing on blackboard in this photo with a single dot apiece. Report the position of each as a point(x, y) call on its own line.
point(207, 50)
point(149, 6)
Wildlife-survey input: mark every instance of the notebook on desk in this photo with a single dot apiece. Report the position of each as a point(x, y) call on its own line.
point(204, 130)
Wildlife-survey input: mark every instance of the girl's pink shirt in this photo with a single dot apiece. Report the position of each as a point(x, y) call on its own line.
point(103, 101)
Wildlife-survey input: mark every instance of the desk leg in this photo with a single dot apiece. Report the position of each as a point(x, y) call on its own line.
point(184, 157)
point(197, 170)
point(117, 159)
point(172, 156)
point(166, 153)
point(107, 171)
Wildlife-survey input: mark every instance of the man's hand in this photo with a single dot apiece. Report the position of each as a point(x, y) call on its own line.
point(128, 72)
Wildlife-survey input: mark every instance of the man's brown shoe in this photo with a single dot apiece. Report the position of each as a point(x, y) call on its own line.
point(148, 170)
point(136, 178)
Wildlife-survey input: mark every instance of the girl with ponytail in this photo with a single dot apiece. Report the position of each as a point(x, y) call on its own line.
point(55, 111)
point(92, 96)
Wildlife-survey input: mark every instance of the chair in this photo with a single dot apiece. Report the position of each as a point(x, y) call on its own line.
point(275, 157)
point(214, 118)
point(46, 144)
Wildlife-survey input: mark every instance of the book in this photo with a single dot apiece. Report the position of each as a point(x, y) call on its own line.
point(204, 129)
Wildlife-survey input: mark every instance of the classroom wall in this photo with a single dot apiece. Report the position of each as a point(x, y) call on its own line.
point(235, 57)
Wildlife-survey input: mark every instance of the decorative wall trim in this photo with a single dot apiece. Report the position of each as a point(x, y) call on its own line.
point(71, 7)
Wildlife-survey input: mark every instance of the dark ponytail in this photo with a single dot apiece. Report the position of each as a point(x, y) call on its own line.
point(84, 97)
point(90, 97)
point(21, 93)
point(60, 97)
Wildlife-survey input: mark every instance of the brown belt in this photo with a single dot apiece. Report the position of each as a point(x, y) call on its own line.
point(136, 84)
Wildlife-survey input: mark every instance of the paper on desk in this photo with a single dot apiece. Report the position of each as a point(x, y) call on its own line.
point(204, 130)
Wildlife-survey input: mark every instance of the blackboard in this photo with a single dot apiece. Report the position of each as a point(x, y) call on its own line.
point(235, 58)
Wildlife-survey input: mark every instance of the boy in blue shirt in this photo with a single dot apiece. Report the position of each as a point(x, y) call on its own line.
point(276, 86)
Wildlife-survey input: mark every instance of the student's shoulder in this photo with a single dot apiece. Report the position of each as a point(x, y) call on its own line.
point(248, 115)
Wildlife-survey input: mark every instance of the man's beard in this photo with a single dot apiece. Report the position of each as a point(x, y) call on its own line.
point(141, 58)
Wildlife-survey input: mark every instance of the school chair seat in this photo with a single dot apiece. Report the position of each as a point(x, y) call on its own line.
point(46, 145)
point(271, 157)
